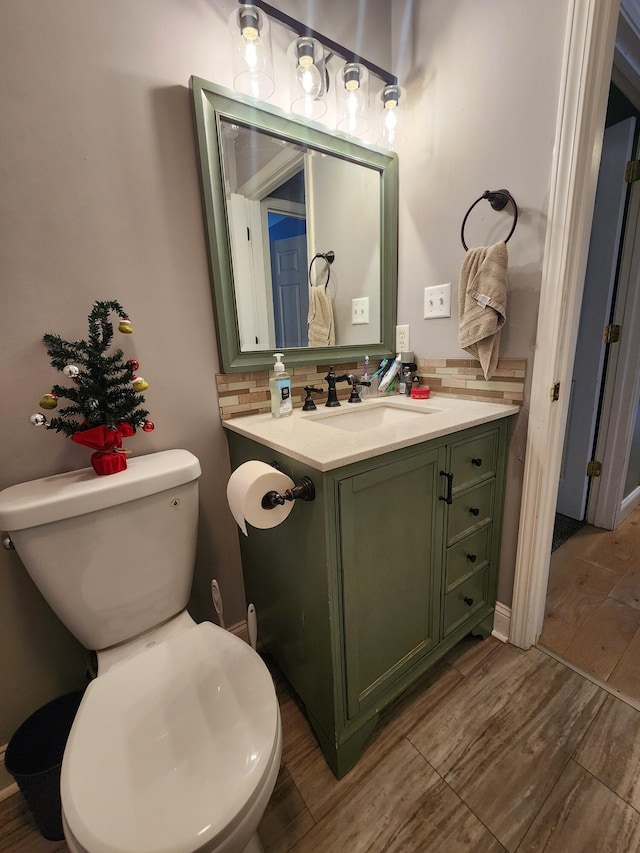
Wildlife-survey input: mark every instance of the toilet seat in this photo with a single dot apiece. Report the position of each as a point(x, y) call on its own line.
point(170, 748)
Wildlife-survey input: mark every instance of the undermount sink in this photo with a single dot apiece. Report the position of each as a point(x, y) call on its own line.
point(370, 417)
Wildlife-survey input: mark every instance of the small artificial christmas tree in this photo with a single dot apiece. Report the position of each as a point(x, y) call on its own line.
point(105, 394)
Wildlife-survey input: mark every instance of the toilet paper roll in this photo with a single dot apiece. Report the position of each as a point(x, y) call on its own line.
point(247, 486)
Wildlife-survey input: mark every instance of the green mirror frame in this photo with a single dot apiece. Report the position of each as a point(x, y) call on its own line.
point(213, 103)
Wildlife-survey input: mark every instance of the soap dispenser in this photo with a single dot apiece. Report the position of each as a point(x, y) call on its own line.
point(280, 387)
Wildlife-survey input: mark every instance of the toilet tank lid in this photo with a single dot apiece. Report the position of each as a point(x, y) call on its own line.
point(80, 492)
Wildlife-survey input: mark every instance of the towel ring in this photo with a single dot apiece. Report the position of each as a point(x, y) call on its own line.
point(498, 199)
point(329, 257)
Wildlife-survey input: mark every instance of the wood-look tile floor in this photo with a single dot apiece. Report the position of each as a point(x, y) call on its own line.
point(495, 749)
point(592, 615)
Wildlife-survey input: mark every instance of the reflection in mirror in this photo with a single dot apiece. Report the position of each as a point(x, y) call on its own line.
point(302, 232)
point(287, 204)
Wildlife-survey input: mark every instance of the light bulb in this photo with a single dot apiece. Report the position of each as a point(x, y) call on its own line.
point(309, 79)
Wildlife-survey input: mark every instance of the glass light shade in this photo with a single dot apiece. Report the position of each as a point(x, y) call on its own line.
point(307, 77)
point(352, 99)
point(251, 57)
point(392, 103)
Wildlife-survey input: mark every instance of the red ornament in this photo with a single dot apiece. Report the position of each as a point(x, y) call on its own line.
point(133, 365)
point(148, 426)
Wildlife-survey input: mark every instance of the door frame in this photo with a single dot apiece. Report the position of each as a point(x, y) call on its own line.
point(586, 75)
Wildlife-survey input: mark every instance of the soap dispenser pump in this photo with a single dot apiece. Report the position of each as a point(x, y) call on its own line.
point(280, 388)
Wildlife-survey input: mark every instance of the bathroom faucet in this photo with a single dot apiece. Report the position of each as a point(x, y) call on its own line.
point(356, 383)
point(332, 379)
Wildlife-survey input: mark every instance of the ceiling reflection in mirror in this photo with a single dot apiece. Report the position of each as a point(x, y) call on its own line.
point(282, 199)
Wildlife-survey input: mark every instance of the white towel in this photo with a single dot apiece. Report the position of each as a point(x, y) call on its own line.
point(483, 303)
point(320, 318)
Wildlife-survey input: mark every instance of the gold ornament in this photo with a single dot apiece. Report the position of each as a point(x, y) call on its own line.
point(125, 326)
point(49, 401)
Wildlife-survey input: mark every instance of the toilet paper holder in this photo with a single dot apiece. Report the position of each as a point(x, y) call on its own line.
point(304, 491)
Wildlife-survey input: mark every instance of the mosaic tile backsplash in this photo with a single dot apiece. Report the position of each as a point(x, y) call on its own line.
point(248, 393)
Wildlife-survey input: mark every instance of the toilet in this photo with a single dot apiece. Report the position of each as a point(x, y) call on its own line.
point(177, 742)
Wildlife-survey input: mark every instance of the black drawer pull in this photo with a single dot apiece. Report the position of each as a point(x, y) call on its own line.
point(477, 462)
point(447, 498)
point(468, 601)
point(472, 558)
point(474, 510)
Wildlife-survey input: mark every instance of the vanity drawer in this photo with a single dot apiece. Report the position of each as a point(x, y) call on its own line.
point(470, 509)
point(465, 600)
point(467, 557)
point(474, 459)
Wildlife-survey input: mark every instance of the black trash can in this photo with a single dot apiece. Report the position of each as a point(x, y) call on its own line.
point(34, 757)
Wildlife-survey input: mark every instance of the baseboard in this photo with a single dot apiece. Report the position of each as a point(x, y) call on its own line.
point(7, 787)
point(240, 629)
point(501, 622)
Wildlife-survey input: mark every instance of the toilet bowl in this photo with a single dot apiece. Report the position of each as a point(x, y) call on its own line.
point(174, 749)
point(177, 742)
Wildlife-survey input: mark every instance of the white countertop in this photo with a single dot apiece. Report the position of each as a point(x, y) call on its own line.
point(311, 438)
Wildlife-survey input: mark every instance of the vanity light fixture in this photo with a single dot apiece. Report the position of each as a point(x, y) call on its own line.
point(307, 78)
point(308, 56)
point(252, 62)
point(394, 101)
point(352, 96)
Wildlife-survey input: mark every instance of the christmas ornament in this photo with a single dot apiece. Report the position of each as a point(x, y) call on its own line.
point(103, 405)
point(49, 401)
point(133, 365)
point(148, 426)
point(139, 383)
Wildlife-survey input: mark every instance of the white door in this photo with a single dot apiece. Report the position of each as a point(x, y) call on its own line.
point(604, 249)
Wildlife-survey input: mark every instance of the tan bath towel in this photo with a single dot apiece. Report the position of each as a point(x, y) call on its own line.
point(320, 318)
point(483, 303)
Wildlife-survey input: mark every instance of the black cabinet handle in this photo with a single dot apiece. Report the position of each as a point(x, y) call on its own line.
point(474, 510)
point(472, 558)
point(447, 498)
point(477, 462)
point(468, 601)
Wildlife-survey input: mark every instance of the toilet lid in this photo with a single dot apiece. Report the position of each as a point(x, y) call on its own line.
point(170, 748)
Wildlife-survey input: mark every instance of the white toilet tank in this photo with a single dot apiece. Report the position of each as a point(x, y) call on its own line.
point(113, 555)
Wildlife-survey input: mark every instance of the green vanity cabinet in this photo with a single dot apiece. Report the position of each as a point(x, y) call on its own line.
point(363, 589)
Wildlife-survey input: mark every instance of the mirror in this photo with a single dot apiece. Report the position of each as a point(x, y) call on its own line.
point(302, 236)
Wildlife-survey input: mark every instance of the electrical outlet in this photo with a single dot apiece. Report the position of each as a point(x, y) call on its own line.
point(402, 339)
point(360, 310)
point(437, 301)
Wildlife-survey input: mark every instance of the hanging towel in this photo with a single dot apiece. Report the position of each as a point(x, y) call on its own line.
point(483, 303)
point(320, 319)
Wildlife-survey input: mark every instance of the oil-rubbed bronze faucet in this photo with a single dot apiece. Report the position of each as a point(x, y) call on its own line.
point(356, 383)
point(332, 379)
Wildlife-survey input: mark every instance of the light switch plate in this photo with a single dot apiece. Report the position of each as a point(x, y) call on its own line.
point(437, 301)
point(360, 310)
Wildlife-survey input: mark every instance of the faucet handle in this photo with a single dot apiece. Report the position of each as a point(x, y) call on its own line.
point(309, 405)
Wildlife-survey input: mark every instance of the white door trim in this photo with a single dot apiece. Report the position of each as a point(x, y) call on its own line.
point(588, 57)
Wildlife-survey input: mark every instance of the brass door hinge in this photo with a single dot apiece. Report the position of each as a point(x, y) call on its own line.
point(594, 468)
point(632, 171)
point(555, 392)
point(611, 334)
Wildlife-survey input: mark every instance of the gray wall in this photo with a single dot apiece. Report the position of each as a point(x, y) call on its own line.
point(100, 200)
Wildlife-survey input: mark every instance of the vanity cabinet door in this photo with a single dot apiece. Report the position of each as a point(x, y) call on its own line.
point(391, 524)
